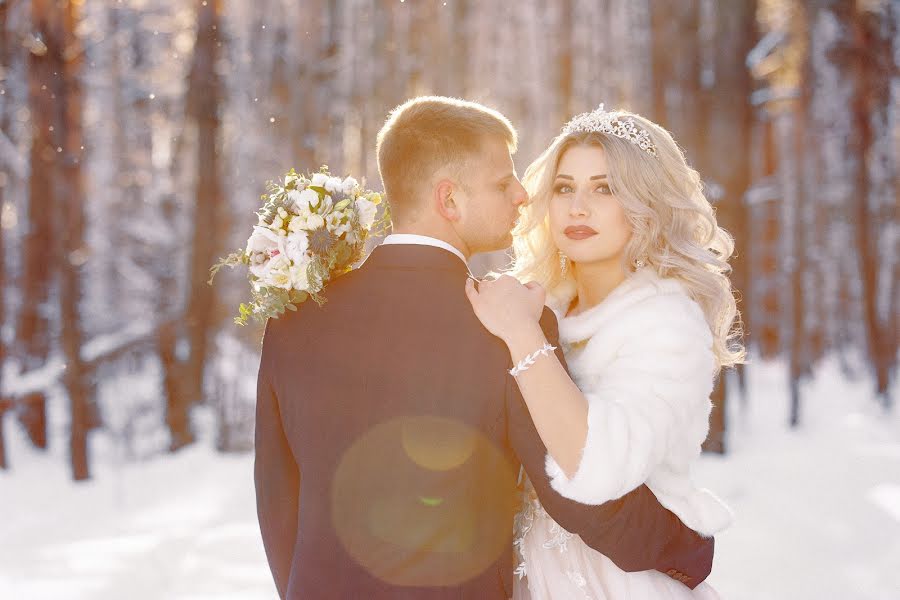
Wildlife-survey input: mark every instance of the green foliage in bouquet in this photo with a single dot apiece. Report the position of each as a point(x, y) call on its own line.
point(310, 229)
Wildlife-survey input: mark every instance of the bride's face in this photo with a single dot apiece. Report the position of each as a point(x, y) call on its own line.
point(587, 221)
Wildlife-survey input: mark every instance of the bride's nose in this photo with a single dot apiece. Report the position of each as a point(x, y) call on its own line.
point(578, 207)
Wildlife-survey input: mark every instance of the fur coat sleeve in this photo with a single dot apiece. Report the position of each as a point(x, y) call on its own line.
point(647, 371)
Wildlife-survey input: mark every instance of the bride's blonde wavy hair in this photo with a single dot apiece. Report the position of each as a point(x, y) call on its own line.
point(674, 229)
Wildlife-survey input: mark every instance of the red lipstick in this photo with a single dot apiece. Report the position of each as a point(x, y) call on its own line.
point(580, 232)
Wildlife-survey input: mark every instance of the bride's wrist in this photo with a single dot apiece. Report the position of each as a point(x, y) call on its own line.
point(524, 341)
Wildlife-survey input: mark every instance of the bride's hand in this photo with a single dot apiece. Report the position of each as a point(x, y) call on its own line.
point(506, 307)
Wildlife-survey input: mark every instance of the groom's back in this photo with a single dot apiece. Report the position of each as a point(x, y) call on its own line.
point(391, 397)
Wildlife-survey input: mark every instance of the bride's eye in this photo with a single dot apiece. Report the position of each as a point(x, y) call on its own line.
point(604, 189)
point(563, 188)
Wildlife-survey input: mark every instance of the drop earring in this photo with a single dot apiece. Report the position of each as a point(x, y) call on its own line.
point(563, 263)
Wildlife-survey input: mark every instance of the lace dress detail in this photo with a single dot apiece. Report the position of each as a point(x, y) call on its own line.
point(554, 564)
point(523, 523)
point(558, 538)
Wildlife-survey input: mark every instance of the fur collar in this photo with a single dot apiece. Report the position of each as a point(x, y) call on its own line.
point(639, 286)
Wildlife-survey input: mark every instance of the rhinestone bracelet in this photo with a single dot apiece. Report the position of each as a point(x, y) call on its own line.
point(531, 359)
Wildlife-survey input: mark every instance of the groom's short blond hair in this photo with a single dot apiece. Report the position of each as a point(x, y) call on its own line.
point(429, 132)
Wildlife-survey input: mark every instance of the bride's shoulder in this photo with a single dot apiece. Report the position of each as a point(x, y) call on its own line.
point(648, 293)
point(662, 304)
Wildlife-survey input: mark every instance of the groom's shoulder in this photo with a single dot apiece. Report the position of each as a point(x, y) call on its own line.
point(309, 313)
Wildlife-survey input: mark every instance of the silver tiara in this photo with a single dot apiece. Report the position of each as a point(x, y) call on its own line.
point(601, 121)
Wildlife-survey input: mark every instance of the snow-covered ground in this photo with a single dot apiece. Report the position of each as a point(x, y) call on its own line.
point(179, 527)
point(818, 510)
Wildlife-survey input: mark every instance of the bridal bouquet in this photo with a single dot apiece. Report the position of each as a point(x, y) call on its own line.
point(311, 229)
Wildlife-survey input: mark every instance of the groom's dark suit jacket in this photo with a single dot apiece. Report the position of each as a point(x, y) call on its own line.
point(389, 440)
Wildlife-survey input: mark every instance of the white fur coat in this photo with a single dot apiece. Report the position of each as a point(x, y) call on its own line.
point(644, 359)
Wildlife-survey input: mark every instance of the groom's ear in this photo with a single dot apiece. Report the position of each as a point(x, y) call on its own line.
point(445, 200)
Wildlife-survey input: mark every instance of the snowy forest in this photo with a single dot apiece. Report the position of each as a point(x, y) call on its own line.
point(136, 137)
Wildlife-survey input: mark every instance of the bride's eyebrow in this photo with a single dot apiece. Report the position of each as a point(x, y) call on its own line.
point(561, 176)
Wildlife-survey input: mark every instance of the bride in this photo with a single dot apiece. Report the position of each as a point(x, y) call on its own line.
point(620, 241)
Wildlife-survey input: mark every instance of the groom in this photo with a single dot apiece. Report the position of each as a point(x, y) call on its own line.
point(389, 433)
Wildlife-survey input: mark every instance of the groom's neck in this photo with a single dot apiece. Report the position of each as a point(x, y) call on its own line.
point(433, 232)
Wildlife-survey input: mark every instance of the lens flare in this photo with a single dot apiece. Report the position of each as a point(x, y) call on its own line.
point(424, 501)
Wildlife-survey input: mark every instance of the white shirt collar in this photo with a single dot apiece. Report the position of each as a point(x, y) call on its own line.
point(423, 240)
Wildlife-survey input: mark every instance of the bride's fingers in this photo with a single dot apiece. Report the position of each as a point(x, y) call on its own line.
point(537, 291)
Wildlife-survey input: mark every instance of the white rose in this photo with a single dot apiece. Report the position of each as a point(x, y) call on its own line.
point(298, 223)
point(334, 185)
point(315, 222)
point(304, 201)
point(366, 210)
point(348, 186)
point(263, 240)
point(296, 246)
point(276, 272)
point(277, 224)
point(318, 179)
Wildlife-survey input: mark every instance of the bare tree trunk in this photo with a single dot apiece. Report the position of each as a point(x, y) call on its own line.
point(678, 98)
point(793, 138)
point(369, 79)
point(676, 75)
point(661, 25)
point(5, 56)
point(39, 266)
point(306, 92)
point(790, 128)
point(764, 229)
point(729, 121)
point(56, 192)
point(333, 93)
point(461, 52)
point(167, 303)
point(204, 97)
point(872, 62)
point(417, 82)
point(120, 27)
point(565, 61)
point(70, 199)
